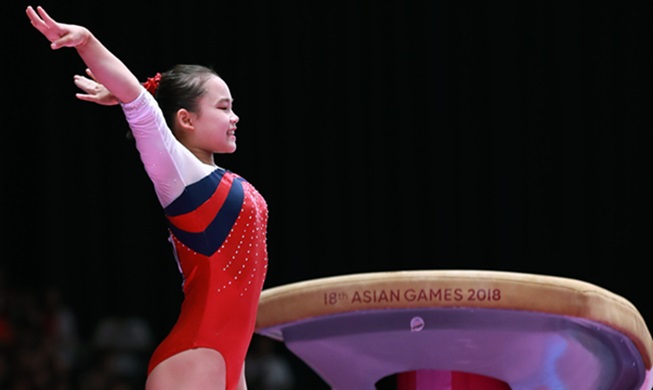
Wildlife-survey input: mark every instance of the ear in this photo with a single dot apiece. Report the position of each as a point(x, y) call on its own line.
point(184, 119)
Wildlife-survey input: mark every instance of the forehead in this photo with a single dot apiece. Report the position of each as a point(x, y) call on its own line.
point(217, 90)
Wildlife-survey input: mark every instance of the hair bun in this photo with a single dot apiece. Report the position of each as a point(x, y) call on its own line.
point(152, 83)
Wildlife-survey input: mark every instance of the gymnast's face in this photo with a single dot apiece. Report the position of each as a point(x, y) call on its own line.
point(214, 121)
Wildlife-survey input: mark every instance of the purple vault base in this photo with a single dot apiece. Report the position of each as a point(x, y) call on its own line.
point(527, 350)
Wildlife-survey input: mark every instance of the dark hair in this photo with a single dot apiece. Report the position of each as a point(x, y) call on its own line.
point(181, 87)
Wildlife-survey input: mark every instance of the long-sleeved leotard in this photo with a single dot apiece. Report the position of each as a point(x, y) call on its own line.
point(217, 223)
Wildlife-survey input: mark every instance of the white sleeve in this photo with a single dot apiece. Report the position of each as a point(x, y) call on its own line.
point(168, 163)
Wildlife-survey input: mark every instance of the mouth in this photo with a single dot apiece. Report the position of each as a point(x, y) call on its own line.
point(231, 132)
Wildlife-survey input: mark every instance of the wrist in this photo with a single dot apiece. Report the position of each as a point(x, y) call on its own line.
point(85, 39)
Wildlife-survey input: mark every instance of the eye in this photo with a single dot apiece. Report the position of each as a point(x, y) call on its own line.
point(224, 105)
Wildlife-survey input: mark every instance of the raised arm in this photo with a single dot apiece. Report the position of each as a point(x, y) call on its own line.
point(107, 69)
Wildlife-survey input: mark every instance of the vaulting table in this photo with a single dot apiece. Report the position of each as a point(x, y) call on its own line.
point(460, 329)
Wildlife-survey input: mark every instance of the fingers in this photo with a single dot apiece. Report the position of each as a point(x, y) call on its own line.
point(65, 41)
point(90, 74)
point(84, 97)
point(85, 84)
point(88, 86)
point(31, 14)
point(36, 20)
point(40, 20)
point(94, 91)
point(46, 18)
point(45, 24)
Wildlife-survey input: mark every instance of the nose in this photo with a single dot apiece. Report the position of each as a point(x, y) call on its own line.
point(234, 118)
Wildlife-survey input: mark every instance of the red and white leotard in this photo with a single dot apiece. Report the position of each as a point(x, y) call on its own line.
point(217, 223)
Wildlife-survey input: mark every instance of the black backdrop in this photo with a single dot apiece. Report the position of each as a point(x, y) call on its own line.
point(385, 136)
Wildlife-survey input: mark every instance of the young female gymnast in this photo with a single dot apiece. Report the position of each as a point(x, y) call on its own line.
point(217, 220)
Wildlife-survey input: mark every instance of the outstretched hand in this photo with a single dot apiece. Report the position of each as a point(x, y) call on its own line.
point(95, 92)
point(59, 34)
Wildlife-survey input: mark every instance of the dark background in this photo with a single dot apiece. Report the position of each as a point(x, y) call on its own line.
point(392, 135)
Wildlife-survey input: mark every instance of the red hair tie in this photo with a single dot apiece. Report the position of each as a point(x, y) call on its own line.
point(152, 83)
